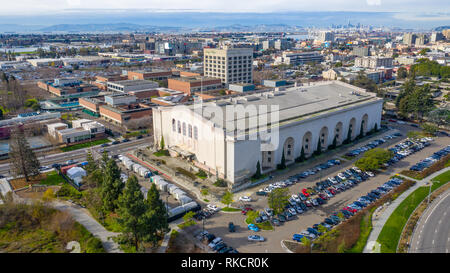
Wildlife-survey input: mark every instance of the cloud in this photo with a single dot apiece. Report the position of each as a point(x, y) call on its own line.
point(73, 2)
point(373, 2)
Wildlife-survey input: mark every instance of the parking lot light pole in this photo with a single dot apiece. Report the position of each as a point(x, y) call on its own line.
point(429, 192)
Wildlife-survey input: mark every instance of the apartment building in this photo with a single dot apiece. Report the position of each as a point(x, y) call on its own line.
point(409, 39)
point(373, 62)
point(231, 65)
point(131, 85)
point(154, 74)
point(298, 58)
point(122, 108)
point(189, 85)
point(68, 87)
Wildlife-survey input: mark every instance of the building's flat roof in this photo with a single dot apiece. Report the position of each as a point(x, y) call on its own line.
point(296, 103)
point(132, 82)
point(196, 79)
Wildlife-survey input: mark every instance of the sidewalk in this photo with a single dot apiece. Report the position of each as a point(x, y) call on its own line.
point(91, 225)
point(379, 222)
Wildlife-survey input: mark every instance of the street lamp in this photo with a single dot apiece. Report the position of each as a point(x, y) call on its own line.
point(429, 192)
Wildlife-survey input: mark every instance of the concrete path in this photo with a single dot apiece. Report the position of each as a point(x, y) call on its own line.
point(83, 217)
point(379, 222)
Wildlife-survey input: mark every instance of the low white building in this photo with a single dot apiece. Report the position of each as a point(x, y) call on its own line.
point(305, 116)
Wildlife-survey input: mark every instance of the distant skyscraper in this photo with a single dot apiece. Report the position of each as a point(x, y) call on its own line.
point(437, 36)
point(325, 36)
point(409, 39)
point(421, 39)
point(361, 51)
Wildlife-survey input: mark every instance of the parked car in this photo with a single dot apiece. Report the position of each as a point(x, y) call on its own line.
point(253, 227)
point(245, 210)
point(256, 238)
point(245, 199)
point(231, 227)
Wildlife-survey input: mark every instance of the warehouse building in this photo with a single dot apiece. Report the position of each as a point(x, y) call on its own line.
point(275, 122)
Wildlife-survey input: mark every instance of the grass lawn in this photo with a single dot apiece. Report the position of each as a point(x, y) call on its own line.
point(135, 133)
point(52, 178)
point(260, 178)
point(85, 145)
point(445, 177)
point(161, 153)
point(230, 209)
point(187, 224)
point(265, 225)
point(391, 232)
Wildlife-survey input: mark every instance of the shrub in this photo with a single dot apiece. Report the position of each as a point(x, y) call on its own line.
point(220, 183)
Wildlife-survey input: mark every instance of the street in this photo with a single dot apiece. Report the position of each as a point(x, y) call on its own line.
point(432, 233)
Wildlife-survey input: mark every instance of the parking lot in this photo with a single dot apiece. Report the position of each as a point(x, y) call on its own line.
point(218, 224)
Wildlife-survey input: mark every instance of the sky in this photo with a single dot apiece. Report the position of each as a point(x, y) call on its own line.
point(33, 7)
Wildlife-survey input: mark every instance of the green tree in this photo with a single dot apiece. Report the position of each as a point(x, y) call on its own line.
point(319, 147)
point(132, 211)
point(402, 73)
point(91, 165)
point(22, 158)
point(334, 144)
point(302, 155)
point(227, 198)
point(429, 128)
point(361, 131)
point(162, 145)
point(258, 171)
point(157, 215)
point(278, 199)
point(349, 136)
point(112, 186)
point(374, 159)
point(282, 164)
point(439, 116)
point(188, 216)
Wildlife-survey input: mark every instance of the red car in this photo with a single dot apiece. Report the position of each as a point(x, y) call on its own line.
point(332, 191)
point(245, 210)
point(350, 209)
point(323, 196)
point(305, 193)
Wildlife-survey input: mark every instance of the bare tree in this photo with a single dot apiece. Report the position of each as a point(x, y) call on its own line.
point(23, 160)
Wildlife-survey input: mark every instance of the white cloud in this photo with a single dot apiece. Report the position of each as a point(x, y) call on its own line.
point(373, 2)
point(74, 2)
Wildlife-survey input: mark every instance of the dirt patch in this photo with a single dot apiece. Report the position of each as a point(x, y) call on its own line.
point(36, 193)
point(21, 182)
point(180, 242)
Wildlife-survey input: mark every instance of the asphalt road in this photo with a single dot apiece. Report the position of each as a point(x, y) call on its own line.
point(80, 155)
point(432, 233)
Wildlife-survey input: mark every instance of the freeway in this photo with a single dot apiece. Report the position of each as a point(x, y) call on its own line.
point(432, 233)
point(80, 155)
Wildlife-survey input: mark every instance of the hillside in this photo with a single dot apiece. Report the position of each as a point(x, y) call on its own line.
point(39, 229)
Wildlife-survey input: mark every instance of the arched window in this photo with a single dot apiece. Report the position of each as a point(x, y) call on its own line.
point(179, 127)
point(195, 132)
point(190, 131)
point(184, 128)
point(174, 127)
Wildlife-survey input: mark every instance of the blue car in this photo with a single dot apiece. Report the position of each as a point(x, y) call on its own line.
point(297, 237)
point(253, 227)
